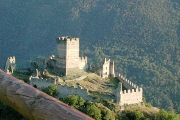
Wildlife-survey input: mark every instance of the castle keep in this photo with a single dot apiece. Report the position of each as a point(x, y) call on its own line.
point(68, 61)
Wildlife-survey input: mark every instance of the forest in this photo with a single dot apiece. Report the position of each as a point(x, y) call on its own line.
point(100, 109)
point(142, 37)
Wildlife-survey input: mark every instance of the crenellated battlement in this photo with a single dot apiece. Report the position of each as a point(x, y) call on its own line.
point(129, 91)
point(68, 58)
point(83, 58)
point(132, 94)
point(67, 38)
point(127, 83)
point(12, 59)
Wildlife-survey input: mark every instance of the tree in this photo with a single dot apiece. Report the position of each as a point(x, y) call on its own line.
point(51, 90)
point(135, 115)
point(93, 111)
point(164, 115)
point(75, 101)
point(108, 115)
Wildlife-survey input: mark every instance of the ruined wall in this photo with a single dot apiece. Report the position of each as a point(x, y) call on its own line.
point(127, 83)
point(108, 69)
point(83, 63)
point(10, 65)
point(111, 67)
point(64, 90)
point(40, 83)
point(105, 69)
point(69, 90)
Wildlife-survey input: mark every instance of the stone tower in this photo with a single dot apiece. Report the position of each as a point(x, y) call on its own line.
point(68, 61)
point(10, 65)
point(108, 69)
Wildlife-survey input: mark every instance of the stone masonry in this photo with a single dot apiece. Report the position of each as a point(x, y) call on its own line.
point(64, 90)
point(10, 65)
point(108, 69)
point(68, 61)
point(133, 94)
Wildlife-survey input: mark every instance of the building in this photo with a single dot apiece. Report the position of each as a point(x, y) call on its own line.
point(68, 61)
point(10, 65)
point(107, 69)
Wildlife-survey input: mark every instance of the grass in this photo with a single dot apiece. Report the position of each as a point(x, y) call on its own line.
point(21, 76)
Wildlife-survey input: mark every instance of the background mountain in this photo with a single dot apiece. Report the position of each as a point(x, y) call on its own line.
point(143, 37)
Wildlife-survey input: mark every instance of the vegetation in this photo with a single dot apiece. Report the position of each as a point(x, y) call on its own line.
point(51, 90)
point(101, 110)
point(22, 75)
point(95, 110)
point(105, 110)
point(141, 36)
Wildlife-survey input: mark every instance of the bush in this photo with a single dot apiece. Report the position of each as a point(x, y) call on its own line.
point(51, 90)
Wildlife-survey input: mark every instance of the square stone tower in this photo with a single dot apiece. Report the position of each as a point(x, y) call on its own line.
point(68, 61)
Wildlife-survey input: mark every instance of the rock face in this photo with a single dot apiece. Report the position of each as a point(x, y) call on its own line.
point(34, 104)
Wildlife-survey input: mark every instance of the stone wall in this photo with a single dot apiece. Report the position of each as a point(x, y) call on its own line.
point(10, 65)
point(69, 90)
point(83, 63)
point(64, 90)
point(133, 94)
point(127, 83)
point(108, 69)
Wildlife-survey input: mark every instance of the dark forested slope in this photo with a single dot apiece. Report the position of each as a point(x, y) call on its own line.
point(142, 37)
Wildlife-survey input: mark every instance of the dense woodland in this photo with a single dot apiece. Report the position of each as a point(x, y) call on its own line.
point(142, 37)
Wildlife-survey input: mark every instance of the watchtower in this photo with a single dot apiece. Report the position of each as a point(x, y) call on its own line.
point(68, 60)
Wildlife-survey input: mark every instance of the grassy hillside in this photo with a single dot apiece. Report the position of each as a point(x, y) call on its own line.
point(141, 36)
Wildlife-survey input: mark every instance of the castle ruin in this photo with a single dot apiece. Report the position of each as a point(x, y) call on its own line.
point(10, 65)
point(68, 61)
point(132, 95)
point(107, 69)
point(64, 90)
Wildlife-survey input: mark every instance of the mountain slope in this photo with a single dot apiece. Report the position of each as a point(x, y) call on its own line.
point(141, 36)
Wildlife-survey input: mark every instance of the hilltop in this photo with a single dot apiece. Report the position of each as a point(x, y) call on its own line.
point(141, 36)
